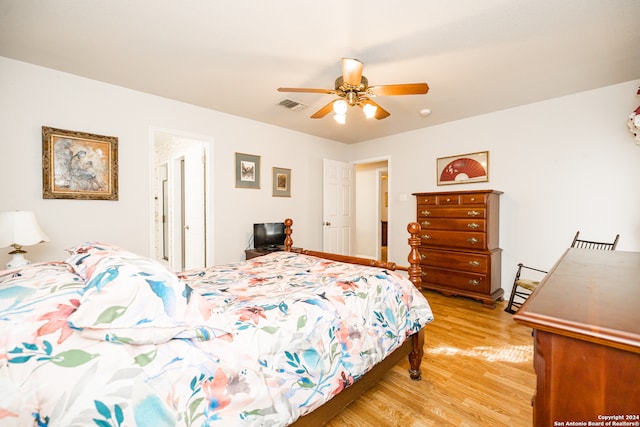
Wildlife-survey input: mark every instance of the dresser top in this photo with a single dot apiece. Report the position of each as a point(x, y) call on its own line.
point(591, 295)
point(458, 192)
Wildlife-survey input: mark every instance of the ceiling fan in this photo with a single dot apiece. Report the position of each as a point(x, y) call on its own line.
point(353, 89)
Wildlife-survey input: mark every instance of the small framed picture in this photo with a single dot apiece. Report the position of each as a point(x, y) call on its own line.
point(78, 165)
point(247, 171)
point(281, 182)
point(463, 168)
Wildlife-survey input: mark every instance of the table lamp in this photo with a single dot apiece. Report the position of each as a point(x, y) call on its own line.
point(18, 229)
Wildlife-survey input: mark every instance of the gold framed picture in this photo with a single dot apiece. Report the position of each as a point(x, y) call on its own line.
point(79, 165)
point(463, 168)
point(281, 182)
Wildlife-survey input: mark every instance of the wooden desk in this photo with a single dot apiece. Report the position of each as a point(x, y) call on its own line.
point(586, 320)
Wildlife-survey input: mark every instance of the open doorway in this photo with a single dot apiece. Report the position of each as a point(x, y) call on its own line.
point(372, 209)
point(383, 179)
point(181, 200)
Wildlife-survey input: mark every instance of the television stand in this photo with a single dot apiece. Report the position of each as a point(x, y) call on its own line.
point(252, 253)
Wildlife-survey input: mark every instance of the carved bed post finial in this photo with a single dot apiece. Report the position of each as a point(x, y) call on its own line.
point(288, 242)
point(415, 272)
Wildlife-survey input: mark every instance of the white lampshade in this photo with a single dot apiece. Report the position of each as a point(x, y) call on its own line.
point(340, 107)
point(369, 111)
point(17, 229)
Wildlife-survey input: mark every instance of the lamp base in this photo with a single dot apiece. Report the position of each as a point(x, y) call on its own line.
point(18, 259)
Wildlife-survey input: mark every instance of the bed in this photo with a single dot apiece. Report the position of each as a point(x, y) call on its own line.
point(112, 338)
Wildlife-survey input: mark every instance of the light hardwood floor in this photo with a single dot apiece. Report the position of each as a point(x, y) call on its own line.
point(477, 370)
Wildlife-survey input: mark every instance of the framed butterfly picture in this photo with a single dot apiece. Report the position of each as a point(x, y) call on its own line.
point(247, 171)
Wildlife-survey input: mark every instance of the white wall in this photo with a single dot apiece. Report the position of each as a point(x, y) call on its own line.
point(33, 97)
point(564, 165)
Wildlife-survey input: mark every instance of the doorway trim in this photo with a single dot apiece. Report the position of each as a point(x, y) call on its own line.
point(155, 133)
point(371, 160)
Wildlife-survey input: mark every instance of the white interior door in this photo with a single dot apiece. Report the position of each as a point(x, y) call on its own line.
point(194, 233)
point(338, 207)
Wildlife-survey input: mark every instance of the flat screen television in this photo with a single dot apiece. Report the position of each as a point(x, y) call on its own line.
point(268, 235)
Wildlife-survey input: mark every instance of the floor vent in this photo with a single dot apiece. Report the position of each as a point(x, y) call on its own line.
point(292, 105)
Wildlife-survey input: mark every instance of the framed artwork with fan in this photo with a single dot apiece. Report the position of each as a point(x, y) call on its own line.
point(247, 171)
point(463, 168)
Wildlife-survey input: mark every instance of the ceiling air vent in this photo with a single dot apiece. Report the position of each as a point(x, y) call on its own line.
point(292, 105)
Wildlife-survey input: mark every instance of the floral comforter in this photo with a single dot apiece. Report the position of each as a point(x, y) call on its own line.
point(110, 338)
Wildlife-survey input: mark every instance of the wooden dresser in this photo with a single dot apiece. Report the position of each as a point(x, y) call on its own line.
point(459, 243)
point(586, 320)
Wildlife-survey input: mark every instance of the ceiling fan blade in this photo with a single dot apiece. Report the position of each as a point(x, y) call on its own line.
point(381, 113)
point(307, 90)
point(401, 89)
point(352, 71)
point(324, 110)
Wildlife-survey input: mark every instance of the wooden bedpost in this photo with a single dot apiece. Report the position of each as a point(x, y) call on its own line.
point(415, 276)
point(415, 357)
point(415, 272)
point(288, 242)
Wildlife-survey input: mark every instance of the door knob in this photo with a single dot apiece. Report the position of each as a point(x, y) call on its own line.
point(327, 223)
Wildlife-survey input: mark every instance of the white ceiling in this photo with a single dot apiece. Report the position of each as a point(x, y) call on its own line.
point(477, 56)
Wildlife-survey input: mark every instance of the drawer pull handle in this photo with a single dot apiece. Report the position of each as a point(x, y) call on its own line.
point(473, 225)
point(448, 200)
point(473, 213)
point(425, 213)
point(425, 223)
point(473, 199)
point(472, 240)
point(474, 263)
point(423, 256)
point(474, 282)
point(426, 237)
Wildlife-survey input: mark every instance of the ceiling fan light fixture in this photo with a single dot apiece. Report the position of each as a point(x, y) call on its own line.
point(369, 111)
point(353, 89)
point(340, 107)
point(352, 98)
point(340, 118)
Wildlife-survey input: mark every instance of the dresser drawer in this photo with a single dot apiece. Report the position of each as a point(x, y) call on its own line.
point(448, 200)
point(453, 239)
point(430, 200)
point(455, 279)
point(471, 262)
point(453, 224)
point(473, 199)
point(437, 212)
